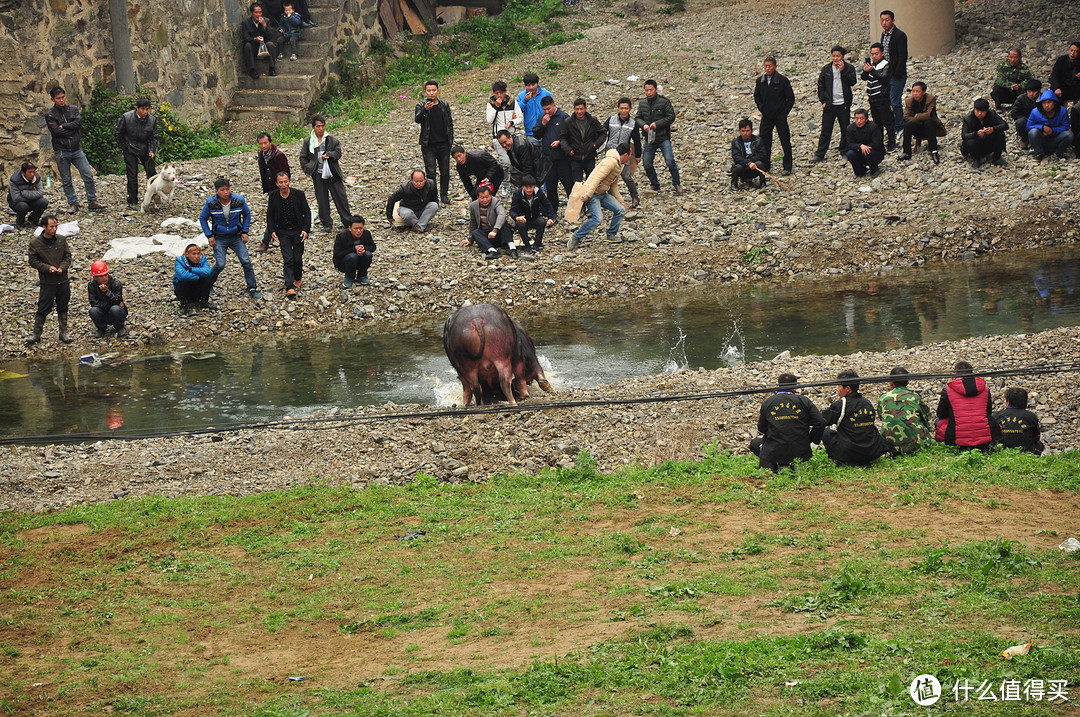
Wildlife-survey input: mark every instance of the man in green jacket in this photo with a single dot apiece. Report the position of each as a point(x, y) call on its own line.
point(905, 417)
point(48, 253)
point(655, 115)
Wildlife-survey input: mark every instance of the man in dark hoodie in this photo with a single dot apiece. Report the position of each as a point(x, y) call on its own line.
point(272, 162)
point(965, 411)
point(1022, 107)
point(785, 423)
point(49, 254)
point(856, 441)
point(1019, 426)
point(582, 135)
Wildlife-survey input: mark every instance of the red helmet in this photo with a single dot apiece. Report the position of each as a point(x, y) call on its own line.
point(99, 268)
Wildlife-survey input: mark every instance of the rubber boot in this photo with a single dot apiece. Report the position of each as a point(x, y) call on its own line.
point(39, 325)
point(62, 320)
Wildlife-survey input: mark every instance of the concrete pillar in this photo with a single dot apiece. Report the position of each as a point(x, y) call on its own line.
point(930, 24)
point(123, 64)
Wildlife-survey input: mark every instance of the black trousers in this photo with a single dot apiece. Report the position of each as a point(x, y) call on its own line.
point(480, 238)
point(53, 294)
point(356, 264)
point(326, 188)
point(830, 115)
point(1004, 95)
point(863, 163)
point(193, 291)
point(131, 168)
point(559, 174)
point(1021, 129)
point(765, 131)
point(437, 158)
point(30, 212)
point(539, 224)
point(292, 255)
point(991, 146)
point(881, 111)
point(742, 172)
point(579, 169)
point(251, 52)
point(926, 130)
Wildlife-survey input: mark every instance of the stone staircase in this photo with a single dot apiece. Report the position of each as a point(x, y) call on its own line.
point(298, 83)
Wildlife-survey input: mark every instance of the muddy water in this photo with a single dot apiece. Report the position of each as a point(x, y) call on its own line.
point(578, 345)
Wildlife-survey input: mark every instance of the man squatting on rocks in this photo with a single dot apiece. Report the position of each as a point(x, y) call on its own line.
point(192, 280)
point(105, 295)
point(418, 202)
point(26, 197)
point(488, 227)
point(531, 210)
point(354, 250)
point(479, 165)
point(748, 157)
point(48, 253)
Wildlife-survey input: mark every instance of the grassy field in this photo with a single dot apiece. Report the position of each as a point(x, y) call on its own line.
point(685, 589)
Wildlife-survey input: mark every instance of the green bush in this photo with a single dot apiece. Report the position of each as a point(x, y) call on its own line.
point(179, 140)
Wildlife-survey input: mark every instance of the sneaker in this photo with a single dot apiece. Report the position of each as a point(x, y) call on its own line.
point(891, 147)
point(734, 185)
point(904, 157)
point(613, 239)
point(191, 310)
point(975, 164)
point(290, 293)
point(875, 171)
point(281, 56)
point(364, 281)
point(99, 334)
point(1000, 162)
point(348, 283)
point(936, 157)
point(573, 242)
point(491, 254)
point(96, 206)
point(292, 58)
point(255, 294)
point(122, 333)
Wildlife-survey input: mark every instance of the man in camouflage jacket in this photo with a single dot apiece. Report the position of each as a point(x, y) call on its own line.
point(904, 416)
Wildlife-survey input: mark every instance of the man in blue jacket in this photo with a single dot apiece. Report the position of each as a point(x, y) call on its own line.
point(1048, 127)
point(529, 101)
point(225, 220)
point(191, 280)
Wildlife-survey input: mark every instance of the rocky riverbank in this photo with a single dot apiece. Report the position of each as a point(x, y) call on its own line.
point(827, 223)
point(381, 451)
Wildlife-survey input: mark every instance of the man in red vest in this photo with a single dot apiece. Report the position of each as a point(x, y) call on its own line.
point(965, 411)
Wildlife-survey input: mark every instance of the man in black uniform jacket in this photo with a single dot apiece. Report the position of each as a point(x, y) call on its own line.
point(1019, 426)
point(785, 422)
point(856, 441)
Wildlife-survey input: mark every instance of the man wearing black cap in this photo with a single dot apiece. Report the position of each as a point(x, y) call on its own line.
point(983, 135)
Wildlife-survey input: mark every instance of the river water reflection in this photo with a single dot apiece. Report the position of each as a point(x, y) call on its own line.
point(580, 345)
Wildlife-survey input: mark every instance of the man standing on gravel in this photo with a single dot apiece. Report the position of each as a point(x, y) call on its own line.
point(225, 220)
point(549, 130)
point(272, 162)
point(834, 93)
point(528, 101)
point(622, 129)
point(319, 156)
point(65, 125)
point(774, 99)
point(655, 115)
point(136, 134)
point(875, 73)
point(436, 136)
point(49, 254)
point(894, 47)
point(288, 219)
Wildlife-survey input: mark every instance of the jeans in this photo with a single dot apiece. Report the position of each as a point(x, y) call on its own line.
point(608, 202)
point(896, 96)
point(765, 131)
point(539, 224)
point(131, 168)
point(862, 163)
point(426, 214)
point(647, 155)
point(437, 158)
point(292, 256)
point(234, 242)
point(1042, 144)
point(114, 316)
point(356, 264)
point(64, 160)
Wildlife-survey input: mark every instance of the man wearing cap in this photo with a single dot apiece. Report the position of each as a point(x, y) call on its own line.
point(106, 296)
point(983, 135)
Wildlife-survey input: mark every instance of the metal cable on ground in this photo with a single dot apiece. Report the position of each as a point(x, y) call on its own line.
point(327, 423)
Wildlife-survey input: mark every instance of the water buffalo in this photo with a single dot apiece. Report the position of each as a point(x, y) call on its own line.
point(493, 355)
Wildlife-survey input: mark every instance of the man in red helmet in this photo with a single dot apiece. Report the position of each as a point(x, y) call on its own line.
point(106, 296)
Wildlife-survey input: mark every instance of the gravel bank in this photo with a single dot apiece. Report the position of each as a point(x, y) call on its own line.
point(475, 447)
point(828, 223)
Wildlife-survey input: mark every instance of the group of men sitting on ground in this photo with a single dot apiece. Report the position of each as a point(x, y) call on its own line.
point(790, 422)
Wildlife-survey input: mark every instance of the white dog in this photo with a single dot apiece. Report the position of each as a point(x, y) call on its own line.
point(160, 187)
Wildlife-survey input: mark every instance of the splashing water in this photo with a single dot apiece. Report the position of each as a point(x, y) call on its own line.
point(734, 346)
point(677, 360)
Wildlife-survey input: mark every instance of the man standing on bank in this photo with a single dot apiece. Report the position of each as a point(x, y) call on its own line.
point(655, 115)
point(136, 134)
point(436, 137)
point(49, 254)
point(894, 47)
point(288, 220)
point(225, 221)
point(65, 125)
point(834, 93)
point(774, 99)
point(319, 158)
